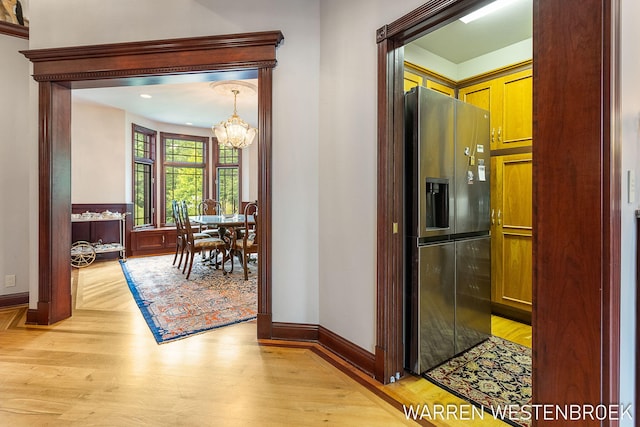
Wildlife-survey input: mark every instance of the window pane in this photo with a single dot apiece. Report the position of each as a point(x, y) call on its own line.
point(227, 155)
point(228, 189)
point(183, 183)
point(142, 145)
point(142, 196)
point(181, 151)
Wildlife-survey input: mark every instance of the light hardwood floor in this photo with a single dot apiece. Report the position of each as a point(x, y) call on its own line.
point(103, 367)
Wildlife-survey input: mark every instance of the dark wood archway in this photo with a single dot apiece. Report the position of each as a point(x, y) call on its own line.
point(59, 70)
point(576, 196)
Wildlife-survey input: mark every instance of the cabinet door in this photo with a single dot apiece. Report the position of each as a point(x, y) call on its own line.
point(509, 99)
point(516, 128)
point(484, 95)
point(511, 228)
point(439, 87)
point(151, 242)
point(411, 80)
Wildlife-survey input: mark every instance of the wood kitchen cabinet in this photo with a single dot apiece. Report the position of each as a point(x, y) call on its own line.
point(417, 76)
point(511, 230)
point(509, 99)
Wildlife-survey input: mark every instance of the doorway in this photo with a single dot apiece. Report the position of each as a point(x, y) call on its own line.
point(575, 274)
point(60, 70)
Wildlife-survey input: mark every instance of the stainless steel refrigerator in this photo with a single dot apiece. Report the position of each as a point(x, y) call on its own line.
point(447, 300)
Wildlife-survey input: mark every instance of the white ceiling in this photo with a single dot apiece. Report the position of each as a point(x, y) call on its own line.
point(197, 103)
point(178, 103)
point(458, 42)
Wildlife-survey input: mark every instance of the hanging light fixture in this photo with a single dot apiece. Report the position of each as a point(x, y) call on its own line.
point(234, 132)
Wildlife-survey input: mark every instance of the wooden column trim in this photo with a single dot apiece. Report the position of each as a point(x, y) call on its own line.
point(576, 274)
point(54, 201)
point(265, 97)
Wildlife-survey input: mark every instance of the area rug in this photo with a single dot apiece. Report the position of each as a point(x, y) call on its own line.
point(176, 308)
point(495, 375)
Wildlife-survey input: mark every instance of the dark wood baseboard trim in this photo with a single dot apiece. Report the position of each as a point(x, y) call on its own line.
point(40, 315)
point(512, 313)
point(357, 356)
point(14, 299)
point(264, 325)
point(294, 331)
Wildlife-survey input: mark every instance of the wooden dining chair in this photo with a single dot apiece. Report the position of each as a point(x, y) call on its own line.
point(245, 240)
point(181, 233)
point(209, 207)
point(214, 245)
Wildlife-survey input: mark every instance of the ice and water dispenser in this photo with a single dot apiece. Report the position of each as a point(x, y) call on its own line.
point(437, 203)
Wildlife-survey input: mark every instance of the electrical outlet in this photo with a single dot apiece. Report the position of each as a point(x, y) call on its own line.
point(9, 280)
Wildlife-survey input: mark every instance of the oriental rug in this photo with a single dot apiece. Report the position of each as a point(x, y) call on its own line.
point(175, 307)
point(495, 375)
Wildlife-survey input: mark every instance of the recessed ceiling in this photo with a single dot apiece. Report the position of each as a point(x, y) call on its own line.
point(459, 42)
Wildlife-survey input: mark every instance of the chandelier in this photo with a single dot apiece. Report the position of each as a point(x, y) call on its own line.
point(234, 132)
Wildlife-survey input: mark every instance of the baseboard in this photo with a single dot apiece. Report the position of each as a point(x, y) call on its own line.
point(294, 331)
point(14, 299)
point(345, 349)
point(512, 313)
point(354, 354)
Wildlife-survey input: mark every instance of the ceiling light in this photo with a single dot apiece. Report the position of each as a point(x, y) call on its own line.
point(189, 124)
point(145, 95)
point(234, 132)
point(483, 11)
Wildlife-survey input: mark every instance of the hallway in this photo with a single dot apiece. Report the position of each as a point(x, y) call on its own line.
point(103, 367)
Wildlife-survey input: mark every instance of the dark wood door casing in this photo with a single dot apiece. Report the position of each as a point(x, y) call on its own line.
point(576, 195)
point(576, 176)
point(58, 70)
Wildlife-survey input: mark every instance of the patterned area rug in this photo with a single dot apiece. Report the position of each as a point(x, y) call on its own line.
point(495, 375)
point(175, 308)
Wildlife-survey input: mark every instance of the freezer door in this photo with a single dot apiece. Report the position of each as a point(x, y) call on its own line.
point(435, 169)
point(472, 162)
point(473, 292)
point(436, 305)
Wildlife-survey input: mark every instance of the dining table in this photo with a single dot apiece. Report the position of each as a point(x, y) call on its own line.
point(227, 226)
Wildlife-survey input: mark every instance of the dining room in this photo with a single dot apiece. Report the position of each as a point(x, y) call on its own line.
point(188, 197)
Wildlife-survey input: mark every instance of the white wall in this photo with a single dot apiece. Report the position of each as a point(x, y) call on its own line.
point(17, 160)
point(98, 149)
point(630, 120)
point(348, 163)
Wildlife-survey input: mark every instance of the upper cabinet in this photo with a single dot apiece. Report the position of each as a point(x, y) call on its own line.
point(411, 80)
point(509, 99)
point(417, 76)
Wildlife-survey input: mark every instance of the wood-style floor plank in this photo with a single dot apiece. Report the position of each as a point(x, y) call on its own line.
point(103, 367)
